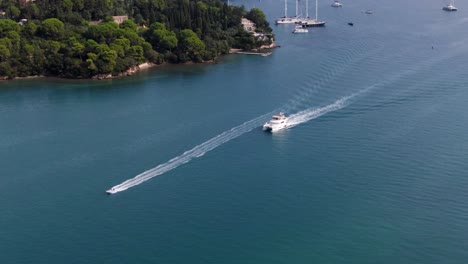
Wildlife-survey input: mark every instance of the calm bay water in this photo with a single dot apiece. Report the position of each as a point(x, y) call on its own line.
point(381, 178)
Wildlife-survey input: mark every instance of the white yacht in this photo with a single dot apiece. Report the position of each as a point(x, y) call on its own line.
point(111, 191)
point(286, 19)
point(278, 122)
point(314, 22)
point(336, 4)
point(450, 7)
point(300, 30)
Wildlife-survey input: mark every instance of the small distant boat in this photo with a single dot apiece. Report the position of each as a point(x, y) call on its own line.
point(111, 191)
point(336, 4)
point(450, 7)
point(351, 23)
point(369, 11)
point(277, 123)
point(300, 30)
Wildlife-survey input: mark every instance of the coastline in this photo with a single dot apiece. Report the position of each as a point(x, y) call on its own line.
point(129, 72)
point(264, 50)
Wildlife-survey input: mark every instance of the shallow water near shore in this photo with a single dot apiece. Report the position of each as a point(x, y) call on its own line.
point(373, 172)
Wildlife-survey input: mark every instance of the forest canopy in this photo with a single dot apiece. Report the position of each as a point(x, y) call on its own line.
point(85, 38)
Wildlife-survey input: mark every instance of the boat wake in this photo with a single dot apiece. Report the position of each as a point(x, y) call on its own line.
point(226, 136)
point(195, 152)
point(315, 112)
point(312, 113)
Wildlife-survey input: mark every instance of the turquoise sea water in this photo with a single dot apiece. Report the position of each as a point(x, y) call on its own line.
point(374, 172)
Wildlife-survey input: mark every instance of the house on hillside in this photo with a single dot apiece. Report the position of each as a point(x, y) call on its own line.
point(116, 19)
point(247, 24)
point(119, 19)
point(24, 2)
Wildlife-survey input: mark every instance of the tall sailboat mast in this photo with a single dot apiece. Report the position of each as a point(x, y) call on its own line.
point(285, 8)
point(314, 22)
point(316, 10)
point(297, 10)
point(307, 8)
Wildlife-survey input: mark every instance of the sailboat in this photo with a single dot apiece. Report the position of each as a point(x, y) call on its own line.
point(286, 19)
point(450, 7)
point(312, 22)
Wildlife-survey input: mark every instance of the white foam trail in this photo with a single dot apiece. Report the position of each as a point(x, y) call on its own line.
point(312, 113)
point(315, 112)
point(224, 137)
point(196, 152)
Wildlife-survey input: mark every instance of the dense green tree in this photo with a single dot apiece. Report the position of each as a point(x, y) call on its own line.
point(161, 38)
point(191, 45)
point(60, 39)
point(7, 25)
point(258, 17)
point(32, 11)
point(13, 12)
point(67, 6)
point(52, 28)
point(4, 53)
point(5, 69)
point(129, 24)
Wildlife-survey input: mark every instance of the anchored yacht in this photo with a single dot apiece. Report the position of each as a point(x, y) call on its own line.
point(450, 7)
point(285, 19)
point(278, 122)
point(312, 22)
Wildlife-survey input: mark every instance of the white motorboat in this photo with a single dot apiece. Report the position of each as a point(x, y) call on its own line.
point(300, 30)
point(450, 7)
point(111, 190)
point(278, 122)
point(336, 4)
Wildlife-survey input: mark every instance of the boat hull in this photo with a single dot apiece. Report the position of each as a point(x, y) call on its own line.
point(274, 129)
point(300, 32)
point(313, 24)
point(285, 22)
point(111, 191)
point(449, 9)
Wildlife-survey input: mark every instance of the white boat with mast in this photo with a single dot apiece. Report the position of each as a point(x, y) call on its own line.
point(450, 7)
point(308, 22)
point(286, 19)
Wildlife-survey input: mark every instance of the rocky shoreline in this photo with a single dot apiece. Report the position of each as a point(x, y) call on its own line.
point(265, 49)
point(128, 72)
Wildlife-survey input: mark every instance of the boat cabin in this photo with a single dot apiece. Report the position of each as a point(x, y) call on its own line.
point(279, 116)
